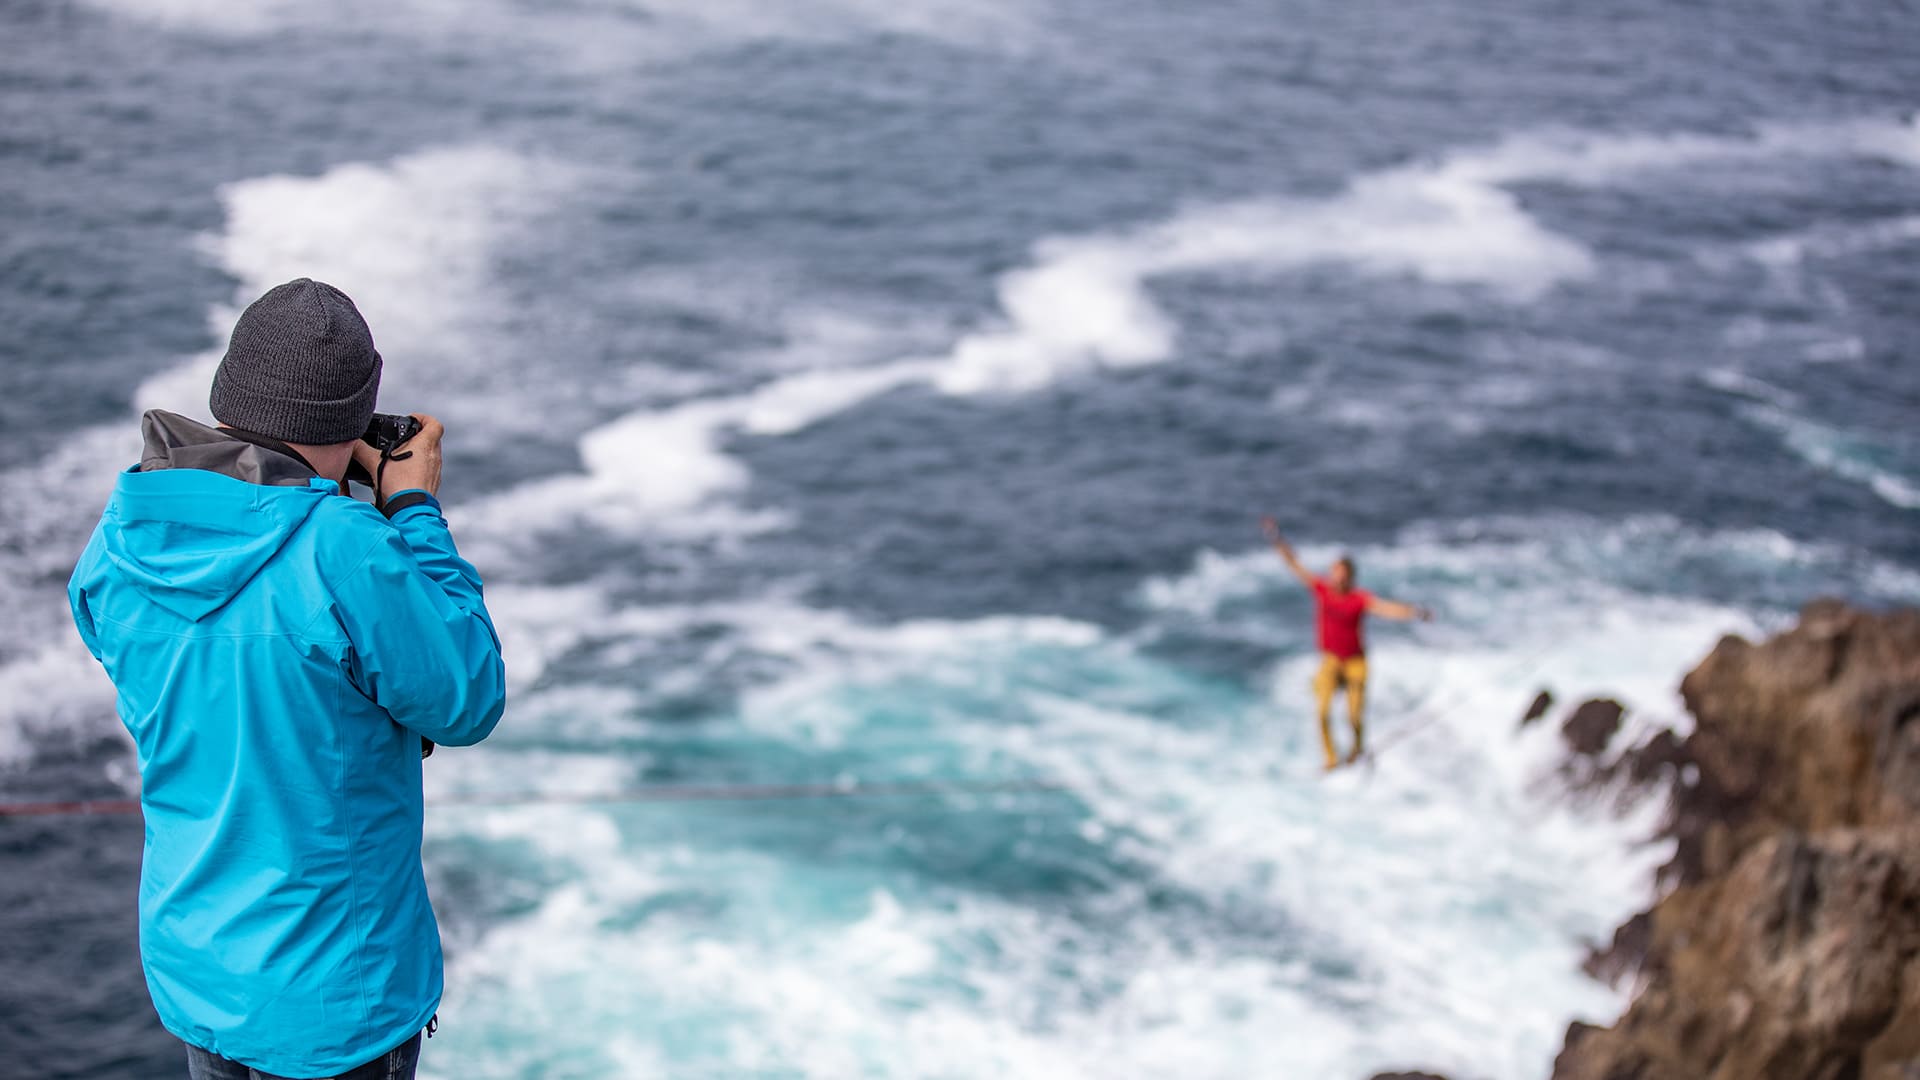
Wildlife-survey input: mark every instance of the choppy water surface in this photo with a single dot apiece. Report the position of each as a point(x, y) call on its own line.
point(845, 391)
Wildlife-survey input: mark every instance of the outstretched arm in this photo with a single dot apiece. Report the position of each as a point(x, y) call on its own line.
point(1272, 530)
point(1388, 609)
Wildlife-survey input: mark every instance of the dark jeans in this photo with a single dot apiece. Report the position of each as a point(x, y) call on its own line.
point(395, 1064)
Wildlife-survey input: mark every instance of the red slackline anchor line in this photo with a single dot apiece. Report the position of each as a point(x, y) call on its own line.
point(653, 793)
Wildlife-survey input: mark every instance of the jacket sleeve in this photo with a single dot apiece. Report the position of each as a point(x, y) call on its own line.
point(424, 647)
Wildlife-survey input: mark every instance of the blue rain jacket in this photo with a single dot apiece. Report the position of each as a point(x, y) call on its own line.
point(279, 651)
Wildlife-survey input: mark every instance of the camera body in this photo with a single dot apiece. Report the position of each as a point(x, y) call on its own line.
point(385, 433)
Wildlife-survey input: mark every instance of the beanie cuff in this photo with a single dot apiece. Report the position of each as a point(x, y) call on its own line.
point(315, 423)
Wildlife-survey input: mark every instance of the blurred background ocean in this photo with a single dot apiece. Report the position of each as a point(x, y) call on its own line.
point(852, 391)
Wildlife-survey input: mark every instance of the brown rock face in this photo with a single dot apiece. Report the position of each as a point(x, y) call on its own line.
point(1811, 730)
point(1789, 948)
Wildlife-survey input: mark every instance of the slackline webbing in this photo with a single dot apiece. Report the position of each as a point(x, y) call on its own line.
point(653, 793)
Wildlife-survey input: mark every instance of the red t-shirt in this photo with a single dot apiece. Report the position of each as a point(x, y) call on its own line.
point(1340, 615)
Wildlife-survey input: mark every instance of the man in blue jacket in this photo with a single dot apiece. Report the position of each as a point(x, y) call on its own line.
point(279, 652)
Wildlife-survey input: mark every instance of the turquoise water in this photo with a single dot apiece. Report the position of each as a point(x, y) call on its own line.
point(845, 394)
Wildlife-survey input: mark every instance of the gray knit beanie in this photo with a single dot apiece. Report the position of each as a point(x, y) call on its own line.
point(301, 367)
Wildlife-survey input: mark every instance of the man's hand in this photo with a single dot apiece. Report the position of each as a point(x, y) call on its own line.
point(415, 463)
point(1271, 530)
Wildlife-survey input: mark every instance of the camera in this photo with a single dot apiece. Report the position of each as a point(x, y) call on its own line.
point(385, 432)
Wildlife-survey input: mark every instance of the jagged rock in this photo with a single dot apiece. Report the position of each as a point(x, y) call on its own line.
point(1810, 730)
point(1624, 956)
point(1541, 703)
point(1578, 1031)
point(1592, 726)
point(1789, 948)
point(1663, 757)
point(1803, 961)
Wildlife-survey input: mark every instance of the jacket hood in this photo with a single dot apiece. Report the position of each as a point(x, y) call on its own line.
point(204, 511)
point(175, 442)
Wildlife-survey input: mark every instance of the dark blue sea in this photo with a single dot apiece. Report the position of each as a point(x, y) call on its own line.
point(878, 392)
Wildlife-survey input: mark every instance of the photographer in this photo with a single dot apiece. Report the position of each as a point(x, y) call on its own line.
point(279, 655)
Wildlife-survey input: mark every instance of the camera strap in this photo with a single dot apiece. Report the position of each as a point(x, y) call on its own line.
point(380, 477)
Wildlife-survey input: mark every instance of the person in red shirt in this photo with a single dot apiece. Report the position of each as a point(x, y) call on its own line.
point(1341, 609)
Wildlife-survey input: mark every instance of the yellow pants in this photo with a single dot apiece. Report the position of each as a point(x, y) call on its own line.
point(1335, 673)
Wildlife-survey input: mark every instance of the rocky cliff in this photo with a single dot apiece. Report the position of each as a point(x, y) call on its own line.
point(1787, 945)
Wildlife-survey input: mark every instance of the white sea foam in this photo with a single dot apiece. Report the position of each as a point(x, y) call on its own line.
point(1451, 220)
point(412, 241)
point(663, 470)
point(1836, 241)
point(1841, 350)
point(48, 683)
point(1583, 158)
point(56, 690)
point(415, 242)
point(1847, 455)
point(872, 990)
point(1084, 303)
point(1740, 384)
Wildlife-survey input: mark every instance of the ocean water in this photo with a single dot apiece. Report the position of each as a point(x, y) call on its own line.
point(843, 392)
